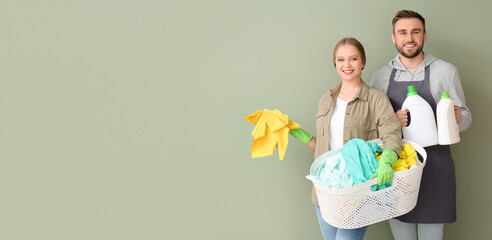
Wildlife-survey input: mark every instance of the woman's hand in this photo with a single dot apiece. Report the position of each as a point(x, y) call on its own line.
point(403, 117)
point(304, 137)
point(385, 172)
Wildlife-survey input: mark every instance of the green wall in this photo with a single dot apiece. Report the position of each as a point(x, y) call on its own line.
point(125, 119)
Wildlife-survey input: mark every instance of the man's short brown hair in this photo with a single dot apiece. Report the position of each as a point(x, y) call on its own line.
point(407, 14)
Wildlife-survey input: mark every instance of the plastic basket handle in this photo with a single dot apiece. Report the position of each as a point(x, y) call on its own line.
point(415, 145)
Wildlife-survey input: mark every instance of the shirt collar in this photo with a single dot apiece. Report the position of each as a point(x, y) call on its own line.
point(362, 94)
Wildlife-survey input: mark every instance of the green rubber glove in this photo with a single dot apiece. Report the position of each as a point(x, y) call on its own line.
point(385, 173)
point(301, 135)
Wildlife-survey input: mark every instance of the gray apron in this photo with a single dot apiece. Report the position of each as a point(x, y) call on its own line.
point(437, 197)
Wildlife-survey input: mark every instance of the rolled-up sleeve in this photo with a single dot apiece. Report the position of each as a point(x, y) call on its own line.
point(389, 127)
point(458, 97)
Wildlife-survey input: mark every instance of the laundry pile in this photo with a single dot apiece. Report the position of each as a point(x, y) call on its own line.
point(356, 163)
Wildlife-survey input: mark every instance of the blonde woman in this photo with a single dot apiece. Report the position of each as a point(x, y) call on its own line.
point(350, 110)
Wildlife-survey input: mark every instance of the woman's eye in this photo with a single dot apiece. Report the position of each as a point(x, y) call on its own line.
point(340, 60)
point(354, 59)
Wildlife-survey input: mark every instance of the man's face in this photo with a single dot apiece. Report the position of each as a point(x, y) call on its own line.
point(409, 37)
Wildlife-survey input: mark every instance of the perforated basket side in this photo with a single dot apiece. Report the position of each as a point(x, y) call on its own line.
point(359, 206)
point(358, 209)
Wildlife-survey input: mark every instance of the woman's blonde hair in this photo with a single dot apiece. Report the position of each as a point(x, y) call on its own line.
point(350, 41)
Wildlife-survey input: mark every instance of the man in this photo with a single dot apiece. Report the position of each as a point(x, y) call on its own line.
point(436, 203)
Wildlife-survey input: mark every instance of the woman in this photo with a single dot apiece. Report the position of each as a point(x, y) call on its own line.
point(353, 110)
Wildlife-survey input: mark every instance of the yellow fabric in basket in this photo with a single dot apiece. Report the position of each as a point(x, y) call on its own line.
point(408, 157)
point(271, 131)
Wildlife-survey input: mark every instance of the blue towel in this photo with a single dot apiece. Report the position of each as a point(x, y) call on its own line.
point(361, 162)
point(353, 165)
point(332, 173)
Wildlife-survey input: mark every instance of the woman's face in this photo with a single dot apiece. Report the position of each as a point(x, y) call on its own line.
point(348, 62)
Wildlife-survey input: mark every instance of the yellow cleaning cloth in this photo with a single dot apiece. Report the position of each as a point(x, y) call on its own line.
point(271, 131)
point(407, 158)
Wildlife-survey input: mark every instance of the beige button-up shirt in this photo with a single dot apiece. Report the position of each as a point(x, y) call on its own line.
point(368, 116)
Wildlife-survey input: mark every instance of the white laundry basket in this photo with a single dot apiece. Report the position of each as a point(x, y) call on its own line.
point(358, 206)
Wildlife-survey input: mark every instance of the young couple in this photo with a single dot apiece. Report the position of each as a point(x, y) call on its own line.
point(354, 110)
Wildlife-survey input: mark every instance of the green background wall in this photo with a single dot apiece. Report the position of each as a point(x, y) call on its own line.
point(124, 119)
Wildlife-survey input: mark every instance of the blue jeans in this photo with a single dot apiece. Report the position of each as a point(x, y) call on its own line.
point(408, 231)
point(332, 233)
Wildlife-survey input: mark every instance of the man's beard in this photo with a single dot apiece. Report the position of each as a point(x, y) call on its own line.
point(416, 53)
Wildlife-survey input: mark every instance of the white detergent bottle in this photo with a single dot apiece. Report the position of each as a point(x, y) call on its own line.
point(447, 127)
point(421, 127)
